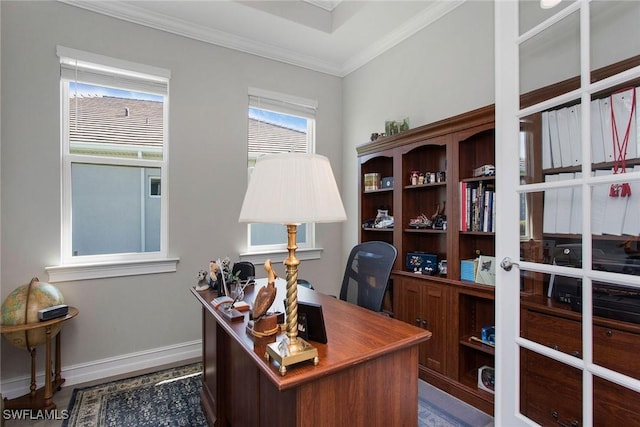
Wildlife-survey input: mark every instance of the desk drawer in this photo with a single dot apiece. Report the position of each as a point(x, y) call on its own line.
point(617, 350)
point(561, 334)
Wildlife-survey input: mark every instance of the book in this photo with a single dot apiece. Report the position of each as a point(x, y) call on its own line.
point(486, 270)
point(463, 206)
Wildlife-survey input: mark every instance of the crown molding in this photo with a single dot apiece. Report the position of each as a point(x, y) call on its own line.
point(427, 17)
point(136, 15)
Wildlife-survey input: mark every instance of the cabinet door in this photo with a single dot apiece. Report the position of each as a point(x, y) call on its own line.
point(422, 303)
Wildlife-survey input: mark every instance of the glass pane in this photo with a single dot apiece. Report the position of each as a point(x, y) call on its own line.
point(271, 132)
point(613, 404)
point(274, 234)
point(614, 32)
point(616, 318)
point(551, 144)
point(614, 133)
point(549, 57)
point(551, 391)
point(113, 210)
point(116, 123)
point(532, 14)
point(550, 223)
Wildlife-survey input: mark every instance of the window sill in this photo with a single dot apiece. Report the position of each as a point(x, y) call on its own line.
point(279, 256)
point(73, 272)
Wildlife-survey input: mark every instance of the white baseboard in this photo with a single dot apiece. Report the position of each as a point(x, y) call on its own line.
point(104, 368)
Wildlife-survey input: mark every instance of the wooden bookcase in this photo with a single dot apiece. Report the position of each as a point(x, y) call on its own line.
point(452, 309)
point(455, 310)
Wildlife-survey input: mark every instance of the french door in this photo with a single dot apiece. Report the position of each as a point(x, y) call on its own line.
point(568, 223)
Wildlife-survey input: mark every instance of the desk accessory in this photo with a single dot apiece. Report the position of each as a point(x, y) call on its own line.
point(231, 313)
point(310, 315)
point(292, 189)
point(217, 302)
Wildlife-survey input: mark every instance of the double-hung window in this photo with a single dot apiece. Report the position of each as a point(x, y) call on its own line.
point(114, 160)
point(279, 123)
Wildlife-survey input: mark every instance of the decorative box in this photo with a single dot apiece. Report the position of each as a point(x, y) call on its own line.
point(468, 270)
point(420, 261)
point(489, 334)
point(387, 182)
point(486, 270)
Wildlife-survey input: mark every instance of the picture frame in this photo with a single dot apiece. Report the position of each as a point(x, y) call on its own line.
point(310, 317)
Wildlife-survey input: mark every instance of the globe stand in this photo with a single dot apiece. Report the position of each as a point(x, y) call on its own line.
point(41, 398)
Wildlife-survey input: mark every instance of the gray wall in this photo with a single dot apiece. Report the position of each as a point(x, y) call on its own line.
point(207, 173)
point(444, 70)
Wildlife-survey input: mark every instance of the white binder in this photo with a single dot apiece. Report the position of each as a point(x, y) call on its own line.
point(576, 208)
point(632, 216)
point(575, 133)
point(597, 144)
point(622, 106)
point(546, 142)
point(556, 160)
point(614, 211)
point(564, 204)
point(599, 195)
point(550, 209)
point(564, 137)
point(607, 138)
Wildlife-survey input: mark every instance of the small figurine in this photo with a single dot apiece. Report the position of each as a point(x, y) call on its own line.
point(267, 294)
point(203, 283)
point(213, 274)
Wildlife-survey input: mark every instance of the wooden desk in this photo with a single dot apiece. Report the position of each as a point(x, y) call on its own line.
point(41, 398)
point(367, 375)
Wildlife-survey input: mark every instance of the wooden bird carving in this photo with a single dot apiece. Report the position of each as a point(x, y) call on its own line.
point(267, 294)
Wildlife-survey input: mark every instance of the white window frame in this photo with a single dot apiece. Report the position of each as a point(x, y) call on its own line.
point(102, 70)
point(296, 106)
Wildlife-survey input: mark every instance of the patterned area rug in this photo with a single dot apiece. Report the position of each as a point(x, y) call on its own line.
point(166, 398)
point(172, 398)
point(430, 415)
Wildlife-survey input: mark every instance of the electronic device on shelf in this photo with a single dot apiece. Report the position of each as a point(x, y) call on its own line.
point(487, 378)
point(610, 301)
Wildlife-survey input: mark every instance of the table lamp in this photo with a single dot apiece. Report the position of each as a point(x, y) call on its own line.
point(292, 189)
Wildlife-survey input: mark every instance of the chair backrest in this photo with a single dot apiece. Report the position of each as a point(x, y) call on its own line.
point(246, 269)
point(305, 283)
point(367, 274)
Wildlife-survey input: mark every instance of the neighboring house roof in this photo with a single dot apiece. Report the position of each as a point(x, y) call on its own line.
point(135, 122)
point(271, 138)
point(116, 121)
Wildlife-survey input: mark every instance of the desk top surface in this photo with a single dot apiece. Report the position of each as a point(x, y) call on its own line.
point(354, 334)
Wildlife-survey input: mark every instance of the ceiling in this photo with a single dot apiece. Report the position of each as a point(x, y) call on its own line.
point(331, 36)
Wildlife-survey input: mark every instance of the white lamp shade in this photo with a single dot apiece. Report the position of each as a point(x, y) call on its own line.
point(292, 188)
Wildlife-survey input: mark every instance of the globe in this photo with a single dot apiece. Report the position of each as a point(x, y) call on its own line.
point(22, 305)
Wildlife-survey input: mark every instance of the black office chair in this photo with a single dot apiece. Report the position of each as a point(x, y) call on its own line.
point(246, 269)
point(367, 274)
point(307, 284)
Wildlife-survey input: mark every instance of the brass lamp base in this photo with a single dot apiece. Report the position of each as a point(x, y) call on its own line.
point(289, 352)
